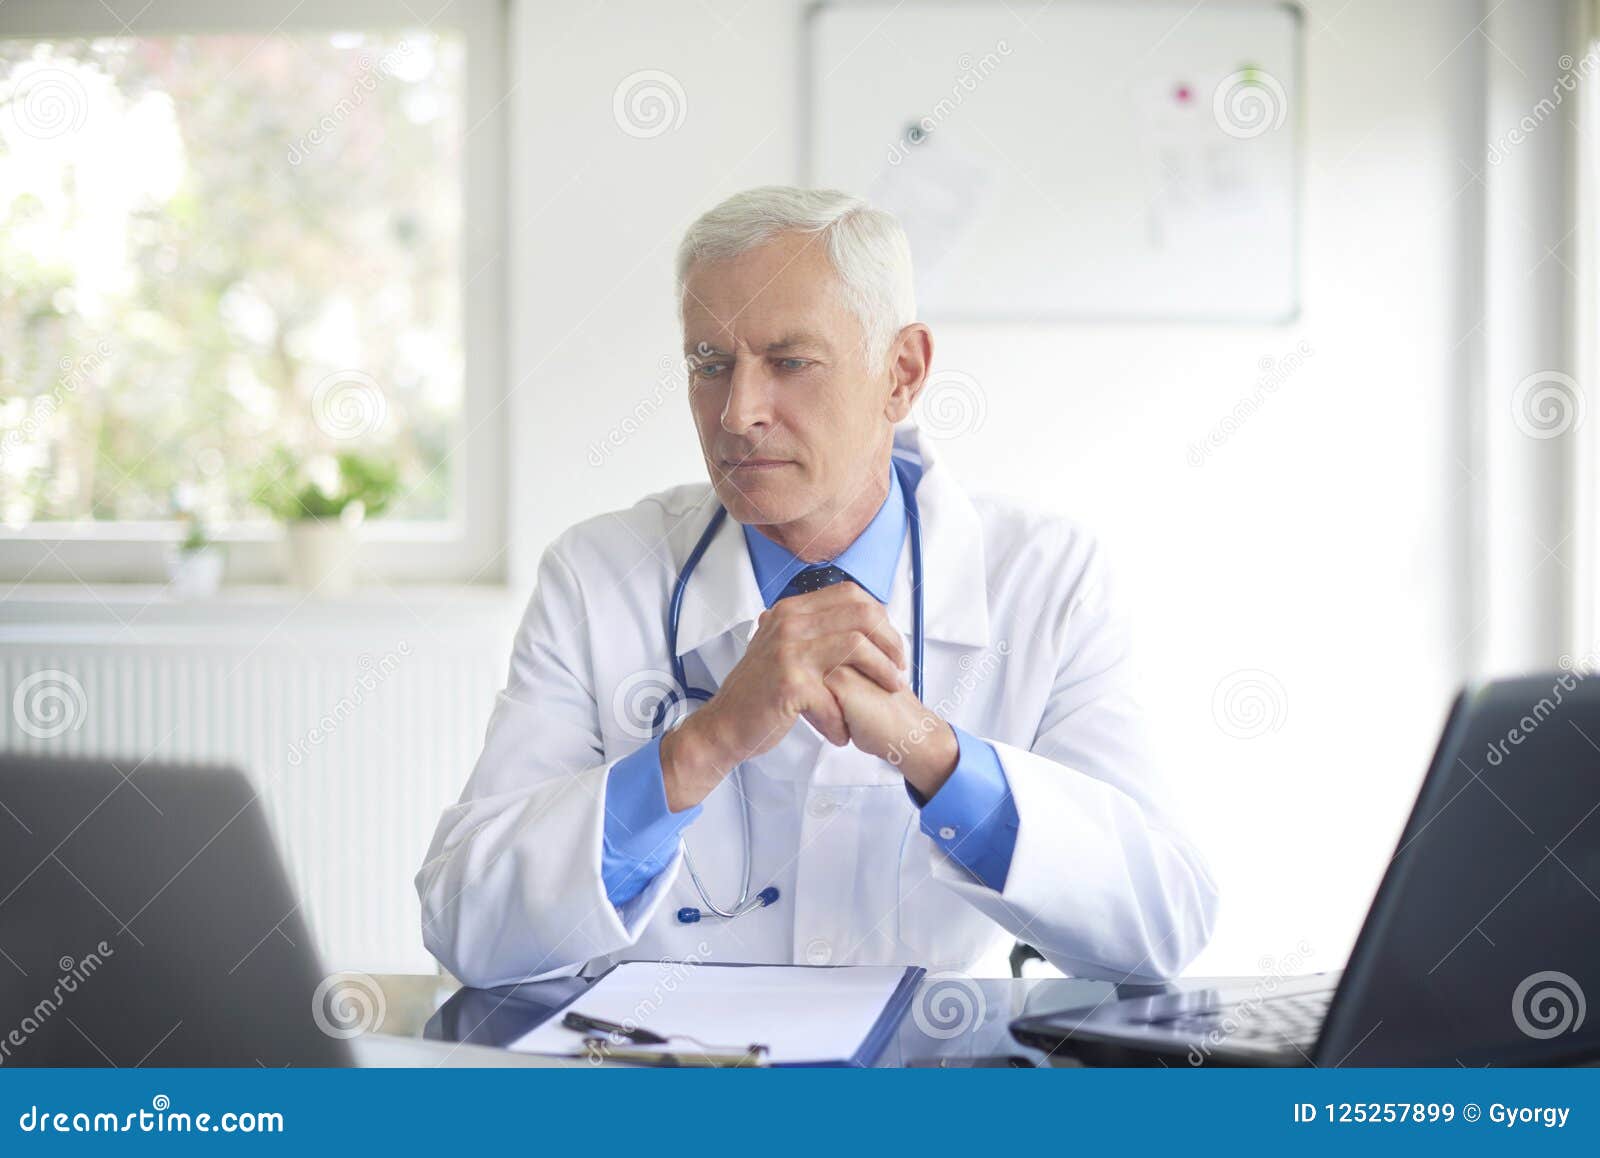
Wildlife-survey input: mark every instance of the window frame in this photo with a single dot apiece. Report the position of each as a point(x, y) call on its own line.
point(471, 545)
point(1583, 599)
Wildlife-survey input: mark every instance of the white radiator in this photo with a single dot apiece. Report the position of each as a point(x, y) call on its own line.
point(354, 737)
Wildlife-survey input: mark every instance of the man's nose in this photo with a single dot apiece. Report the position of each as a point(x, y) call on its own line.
point(749, 402)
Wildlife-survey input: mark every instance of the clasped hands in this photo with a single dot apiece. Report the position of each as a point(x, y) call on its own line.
point(830, 656)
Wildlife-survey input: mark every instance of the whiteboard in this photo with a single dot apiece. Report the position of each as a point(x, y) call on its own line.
point(1086, 160)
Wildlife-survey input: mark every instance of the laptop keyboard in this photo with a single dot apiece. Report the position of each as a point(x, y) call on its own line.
point(1277, 1022)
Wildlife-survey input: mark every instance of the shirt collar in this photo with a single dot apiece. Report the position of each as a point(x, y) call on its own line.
point(870, 560)
point(722, 596)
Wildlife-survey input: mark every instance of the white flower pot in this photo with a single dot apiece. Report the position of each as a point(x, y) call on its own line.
point(322, 556)
point(194, 574)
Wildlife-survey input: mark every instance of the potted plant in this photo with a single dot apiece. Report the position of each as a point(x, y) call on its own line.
point(194, 563)
point(323, 500)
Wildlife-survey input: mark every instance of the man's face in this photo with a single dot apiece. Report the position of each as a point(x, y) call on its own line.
point(792, 419)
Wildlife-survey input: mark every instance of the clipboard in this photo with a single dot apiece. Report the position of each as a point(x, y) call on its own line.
point(867, 1051)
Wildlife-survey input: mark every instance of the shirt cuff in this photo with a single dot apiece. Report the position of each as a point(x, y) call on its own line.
point(641, 831)
point(972, 817)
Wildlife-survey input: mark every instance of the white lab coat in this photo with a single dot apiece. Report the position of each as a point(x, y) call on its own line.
point(1025, 647)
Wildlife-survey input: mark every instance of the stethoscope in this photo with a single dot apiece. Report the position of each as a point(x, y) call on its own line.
point(688, 915)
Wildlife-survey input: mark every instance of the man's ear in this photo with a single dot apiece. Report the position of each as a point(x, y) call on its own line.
point(910, 357)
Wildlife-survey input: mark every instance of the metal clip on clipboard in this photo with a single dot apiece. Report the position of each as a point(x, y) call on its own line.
point(600, 1049)
point(604, 1049)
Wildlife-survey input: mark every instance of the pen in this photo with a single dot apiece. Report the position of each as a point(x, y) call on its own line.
point(583, 1023)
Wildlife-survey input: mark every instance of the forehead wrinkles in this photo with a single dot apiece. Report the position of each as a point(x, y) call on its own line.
point(733, 310)
point(759, 301)
point(754, 332)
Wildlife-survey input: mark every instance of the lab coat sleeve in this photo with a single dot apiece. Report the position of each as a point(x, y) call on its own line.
point(1102, 880)
point(512, 887)
point(972, 817)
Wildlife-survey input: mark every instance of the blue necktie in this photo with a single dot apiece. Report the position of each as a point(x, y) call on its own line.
point(815, 578)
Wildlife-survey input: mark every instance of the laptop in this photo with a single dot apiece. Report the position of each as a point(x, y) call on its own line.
point(145, 920)
point(1482, 944)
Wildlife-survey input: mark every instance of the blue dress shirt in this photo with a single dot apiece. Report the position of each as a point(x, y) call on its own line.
point(972, 817)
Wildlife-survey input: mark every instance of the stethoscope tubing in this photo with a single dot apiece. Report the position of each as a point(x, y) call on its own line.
point(767, 896)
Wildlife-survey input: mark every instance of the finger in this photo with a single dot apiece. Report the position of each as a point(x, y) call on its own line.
point(883, 633)
point(864, 614)
point(860, 651)
point(829, 598)
point(826, 716)
point(848, 685)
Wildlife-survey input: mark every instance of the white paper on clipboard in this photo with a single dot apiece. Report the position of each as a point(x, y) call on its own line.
point(803, 1015)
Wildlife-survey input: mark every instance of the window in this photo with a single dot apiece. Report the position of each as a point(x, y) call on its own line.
point(234, 248)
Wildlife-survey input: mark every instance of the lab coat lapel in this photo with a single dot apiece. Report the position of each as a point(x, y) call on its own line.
point(722, 603)
point(954, 573)
point(955, 595)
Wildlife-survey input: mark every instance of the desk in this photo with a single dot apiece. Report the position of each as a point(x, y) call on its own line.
point(429, 1021)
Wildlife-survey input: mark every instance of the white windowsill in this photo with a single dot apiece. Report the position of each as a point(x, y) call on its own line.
point(134, 613)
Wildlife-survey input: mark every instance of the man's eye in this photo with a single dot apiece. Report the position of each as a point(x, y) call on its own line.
point(707, 369)
point(792, 363)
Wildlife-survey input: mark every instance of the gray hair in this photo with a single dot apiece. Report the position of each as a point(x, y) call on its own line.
point(867, 247)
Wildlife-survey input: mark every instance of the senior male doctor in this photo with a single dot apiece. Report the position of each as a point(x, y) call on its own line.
point(813, 796)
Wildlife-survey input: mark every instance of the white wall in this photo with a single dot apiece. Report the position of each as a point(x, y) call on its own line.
point(1325, 543)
